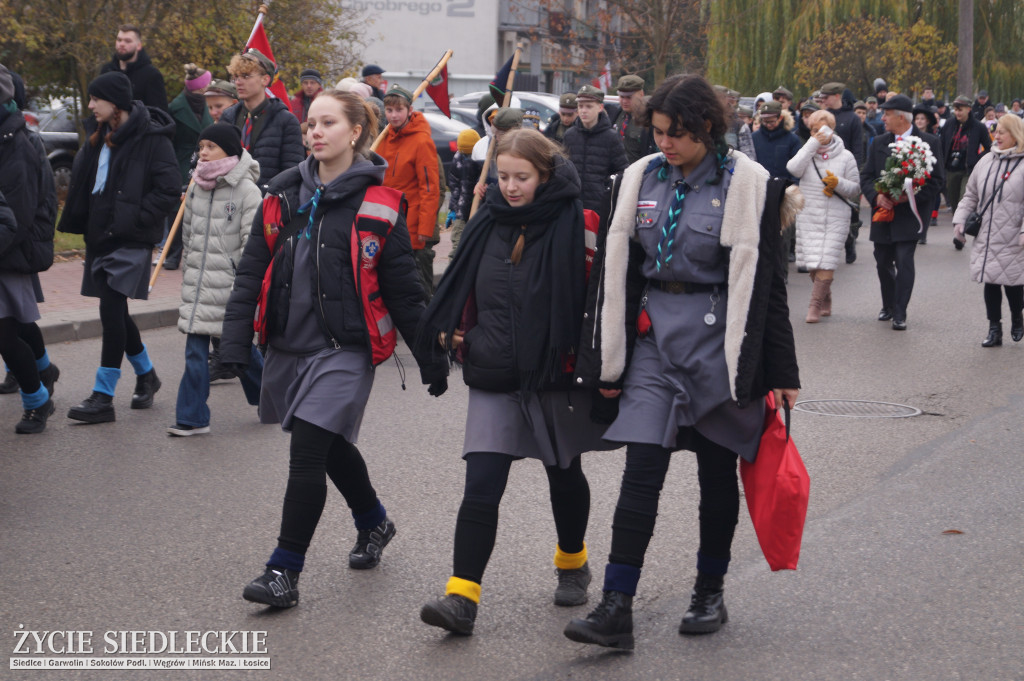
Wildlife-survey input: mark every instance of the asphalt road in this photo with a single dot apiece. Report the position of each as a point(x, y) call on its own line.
point(120, 527)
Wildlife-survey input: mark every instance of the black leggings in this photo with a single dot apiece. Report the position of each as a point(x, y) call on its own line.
point(33, 335)
point(637, 508)
point(18, 356)
point(314, 452)
point(120, 335)
point(477, 522)
point(994, 301)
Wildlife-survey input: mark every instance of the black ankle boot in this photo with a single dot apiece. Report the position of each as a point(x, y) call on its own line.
point(10, 384)
point(1017, 327)
point(995, 335)
point(97, 408)
point(609, 625)
point(146, 386)
point(707, 611)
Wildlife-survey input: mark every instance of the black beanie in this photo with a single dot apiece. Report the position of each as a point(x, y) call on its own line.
point(225, 136)
point(113, 87)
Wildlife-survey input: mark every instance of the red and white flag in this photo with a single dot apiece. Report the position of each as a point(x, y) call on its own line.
point(604, 81)
point(258, 40)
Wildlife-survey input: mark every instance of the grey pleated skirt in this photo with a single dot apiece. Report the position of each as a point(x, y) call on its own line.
point(18, 296)
point(328, 388)
point(127, 271)
point(557, 430)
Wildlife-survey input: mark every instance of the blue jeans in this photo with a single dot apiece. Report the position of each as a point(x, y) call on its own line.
point(194, 389)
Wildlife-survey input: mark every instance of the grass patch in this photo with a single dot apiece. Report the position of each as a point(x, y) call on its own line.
point(68, 242)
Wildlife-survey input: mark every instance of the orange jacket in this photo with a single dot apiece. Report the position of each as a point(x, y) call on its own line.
point(412, 169)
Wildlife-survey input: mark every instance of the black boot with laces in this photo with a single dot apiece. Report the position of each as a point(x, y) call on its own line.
point(572, 586)
point(707, 611)
point(455, 613)
point(609, 625)
point(34, 420)
point(370, 544)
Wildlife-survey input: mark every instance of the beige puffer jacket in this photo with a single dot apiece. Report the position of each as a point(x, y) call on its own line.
point(996, 256)
point(215, 228)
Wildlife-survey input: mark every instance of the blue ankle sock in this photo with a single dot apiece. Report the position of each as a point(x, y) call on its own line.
point(622, 578)
point(106, 380)
point(44, 361)
point(140, 362)
point(289, 560)
point(36, 399)
point(712, 566)
point(370, 519)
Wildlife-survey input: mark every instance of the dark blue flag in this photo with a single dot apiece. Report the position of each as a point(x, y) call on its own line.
point(500, 81)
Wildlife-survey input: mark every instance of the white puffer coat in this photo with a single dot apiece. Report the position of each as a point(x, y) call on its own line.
point(216, 226)
point(822, 226)
point(996, 256)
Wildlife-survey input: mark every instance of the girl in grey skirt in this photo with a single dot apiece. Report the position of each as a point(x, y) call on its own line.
point(510, 305)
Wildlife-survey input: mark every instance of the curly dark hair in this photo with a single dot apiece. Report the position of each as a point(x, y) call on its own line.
point(690, 102)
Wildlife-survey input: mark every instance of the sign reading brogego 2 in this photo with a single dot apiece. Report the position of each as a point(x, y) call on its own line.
point(411, 35)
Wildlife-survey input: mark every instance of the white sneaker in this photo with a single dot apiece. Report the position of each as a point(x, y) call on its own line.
point(181, 430)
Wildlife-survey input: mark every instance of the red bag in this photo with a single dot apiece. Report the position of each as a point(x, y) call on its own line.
point(777, 487)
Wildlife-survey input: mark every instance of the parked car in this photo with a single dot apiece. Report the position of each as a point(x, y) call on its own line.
point(544, 103)
point(445, 133)
point(56, 128)
point(465, 115)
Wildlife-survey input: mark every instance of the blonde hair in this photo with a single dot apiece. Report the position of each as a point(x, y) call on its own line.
point(1015, 127)
point(825, 117)
point(357, 111)
point(241, 66)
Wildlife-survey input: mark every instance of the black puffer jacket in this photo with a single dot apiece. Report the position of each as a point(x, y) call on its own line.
point(147, 81)
point(339, 311)
point(597, 154)
point(27, 182)
point(279, 145)
point(143, 184)
point(850, 130)
point(978, 141)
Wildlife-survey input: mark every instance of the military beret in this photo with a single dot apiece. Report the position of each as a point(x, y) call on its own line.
point(962, 100)
point(745, 111)
point(859, 105)
point(397, 89)
point(784, 92)
point(832, 88)
point(222, 88)
point(772, 108)
point(871, 100)
point(265, 62)
point(508, 118)
point(809, 105)
point(630, 84)
point(568, 101)
point(590, 92)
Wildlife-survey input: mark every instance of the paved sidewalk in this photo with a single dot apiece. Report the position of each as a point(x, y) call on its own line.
point(69, 316)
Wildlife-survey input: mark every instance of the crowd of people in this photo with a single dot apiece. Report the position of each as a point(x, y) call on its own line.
point(619, 280)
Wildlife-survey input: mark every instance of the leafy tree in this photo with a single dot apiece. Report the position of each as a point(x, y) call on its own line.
point(58, 46)
point(857, 51)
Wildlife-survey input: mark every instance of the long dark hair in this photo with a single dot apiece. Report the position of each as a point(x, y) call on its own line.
point(691, 104)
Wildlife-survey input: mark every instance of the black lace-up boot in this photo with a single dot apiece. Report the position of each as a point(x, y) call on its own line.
point(609, 625)
point(707, 611)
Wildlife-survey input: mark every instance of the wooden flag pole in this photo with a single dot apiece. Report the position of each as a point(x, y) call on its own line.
point(419, 90)
point(170, 238)
point(490, 147)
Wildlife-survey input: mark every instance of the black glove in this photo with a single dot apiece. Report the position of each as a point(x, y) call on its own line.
point(438, 387)
point(238, 370)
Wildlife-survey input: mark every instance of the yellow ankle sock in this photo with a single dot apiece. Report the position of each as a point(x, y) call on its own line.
point(570, 561)
point(463, 587)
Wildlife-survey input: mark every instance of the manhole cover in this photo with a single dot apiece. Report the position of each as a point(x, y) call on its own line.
point(857, 409)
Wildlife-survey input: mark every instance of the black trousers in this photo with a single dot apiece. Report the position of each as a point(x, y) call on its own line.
point(314, 453)
point(994, 301)
point(642, 480)
point(477, 524)
point(895, 264)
